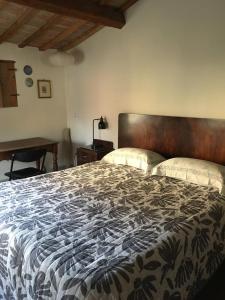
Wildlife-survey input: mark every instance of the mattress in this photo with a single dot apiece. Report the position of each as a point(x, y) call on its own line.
point(101, 231)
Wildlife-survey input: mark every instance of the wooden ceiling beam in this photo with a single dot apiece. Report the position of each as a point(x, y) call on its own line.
point(15, 27)
point(128, 4)
point(81, 38)
point(41, 31)
point(67, 32)
point(94, 29)
point(82, 9)
point(2, 4)
point(61, 36)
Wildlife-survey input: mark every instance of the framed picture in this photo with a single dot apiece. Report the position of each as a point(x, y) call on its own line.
point(44, 89)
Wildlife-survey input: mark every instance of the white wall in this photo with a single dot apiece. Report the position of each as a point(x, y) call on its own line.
point(33, 117)
point(169, 59)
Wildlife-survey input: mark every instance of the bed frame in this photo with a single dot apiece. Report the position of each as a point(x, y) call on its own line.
point(184, 137)
point(174, 136)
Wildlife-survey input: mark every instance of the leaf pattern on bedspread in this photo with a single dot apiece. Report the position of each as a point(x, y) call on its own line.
point(102, 231)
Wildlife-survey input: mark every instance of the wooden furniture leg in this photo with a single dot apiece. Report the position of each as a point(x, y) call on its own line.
point(38, 164)
point(55, 157)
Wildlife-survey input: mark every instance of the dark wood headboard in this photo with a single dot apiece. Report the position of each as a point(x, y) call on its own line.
point(174, 136)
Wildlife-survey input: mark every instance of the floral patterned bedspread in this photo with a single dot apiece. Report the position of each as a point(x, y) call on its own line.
point(101, 231)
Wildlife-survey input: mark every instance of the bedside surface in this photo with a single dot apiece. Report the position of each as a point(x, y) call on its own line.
point(87, 154)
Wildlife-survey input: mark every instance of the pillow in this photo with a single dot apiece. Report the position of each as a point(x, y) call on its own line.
point(196, 171)
point(135, 157)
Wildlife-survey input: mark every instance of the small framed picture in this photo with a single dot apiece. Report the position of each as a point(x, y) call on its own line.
point(44, 89)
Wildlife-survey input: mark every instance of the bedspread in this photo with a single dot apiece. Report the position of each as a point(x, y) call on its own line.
point(101, 231)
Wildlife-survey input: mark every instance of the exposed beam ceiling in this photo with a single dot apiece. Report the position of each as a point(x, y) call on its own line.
point(82, 9)
point(67, 32)
point(94, 29)
point(81, 38)
point(14, 28)
point(62, 36)
point(2, 4)
point(58, 24)
point(46, 27)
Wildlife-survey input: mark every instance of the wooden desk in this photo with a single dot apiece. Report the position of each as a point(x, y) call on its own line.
point(8, 148)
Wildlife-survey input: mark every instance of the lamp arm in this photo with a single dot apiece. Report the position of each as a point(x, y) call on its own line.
point(93, 128)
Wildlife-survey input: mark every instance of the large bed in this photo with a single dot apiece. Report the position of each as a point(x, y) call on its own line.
point(106, 231)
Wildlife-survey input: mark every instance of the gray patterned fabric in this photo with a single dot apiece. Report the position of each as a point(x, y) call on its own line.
point(102, 231)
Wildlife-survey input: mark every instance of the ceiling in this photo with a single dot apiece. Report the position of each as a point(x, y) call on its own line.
point(58, 24)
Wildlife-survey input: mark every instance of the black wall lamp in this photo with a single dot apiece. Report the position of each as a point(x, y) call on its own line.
point(101, 125)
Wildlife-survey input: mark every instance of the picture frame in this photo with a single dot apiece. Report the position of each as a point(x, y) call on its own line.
point(44, 88)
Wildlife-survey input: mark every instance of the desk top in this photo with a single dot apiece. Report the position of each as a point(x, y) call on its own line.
point(25, 144)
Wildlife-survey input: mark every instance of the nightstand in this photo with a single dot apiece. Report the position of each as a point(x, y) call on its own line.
point(87, 154)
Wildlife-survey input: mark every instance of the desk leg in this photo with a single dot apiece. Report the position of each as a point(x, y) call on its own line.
point(38, 164)
point(55, 158)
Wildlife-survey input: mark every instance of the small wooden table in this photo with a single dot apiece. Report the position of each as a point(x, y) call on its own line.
point(8, 148)
point(89, 153)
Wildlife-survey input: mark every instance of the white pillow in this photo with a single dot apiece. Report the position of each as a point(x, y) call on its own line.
point(135, 157)
point(196, 171)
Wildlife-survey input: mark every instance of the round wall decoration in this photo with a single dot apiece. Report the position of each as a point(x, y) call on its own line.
point(29, 82)
point(28, 70)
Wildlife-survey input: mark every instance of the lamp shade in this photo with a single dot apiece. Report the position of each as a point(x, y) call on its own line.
point(101, 124)
point(61, 59)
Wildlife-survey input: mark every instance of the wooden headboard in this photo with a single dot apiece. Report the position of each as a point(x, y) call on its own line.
point(174, 136)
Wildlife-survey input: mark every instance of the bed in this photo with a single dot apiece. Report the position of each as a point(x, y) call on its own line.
point(105, 231)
